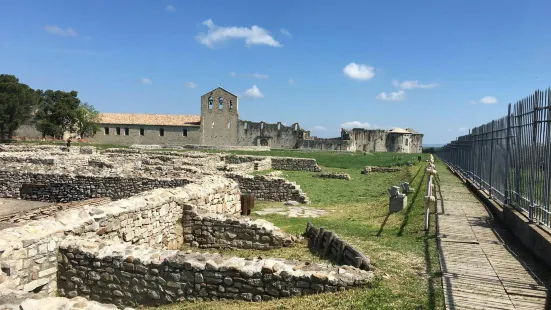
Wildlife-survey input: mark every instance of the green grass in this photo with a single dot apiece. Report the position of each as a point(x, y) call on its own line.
point(340, 160)
point(404, 255)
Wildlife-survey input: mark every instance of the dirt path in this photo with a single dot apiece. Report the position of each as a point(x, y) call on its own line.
point(483, 265)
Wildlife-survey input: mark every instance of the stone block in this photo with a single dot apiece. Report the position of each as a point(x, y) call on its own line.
point(398, 203)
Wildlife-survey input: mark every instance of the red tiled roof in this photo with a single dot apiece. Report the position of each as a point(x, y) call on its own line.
point(150, 119)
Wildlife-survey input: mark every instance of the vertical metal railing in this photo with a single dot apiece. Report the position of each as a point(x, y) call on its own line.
point(510, 158)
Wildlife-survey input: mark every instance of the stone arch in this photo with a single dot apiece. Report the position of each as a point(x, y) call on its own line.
point(263, 142)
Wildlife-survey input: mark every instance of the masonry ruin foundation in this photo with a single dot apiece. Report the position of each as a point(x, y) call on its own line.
point(120, 217)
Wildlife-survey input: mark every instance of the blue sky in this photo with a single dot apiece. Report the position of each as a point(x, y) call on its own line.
point(439, 67)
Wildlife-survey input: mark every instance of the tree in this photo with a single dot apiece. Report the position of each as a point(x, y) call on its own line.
point(17, 104)
point(58, 112)
point(87, 120)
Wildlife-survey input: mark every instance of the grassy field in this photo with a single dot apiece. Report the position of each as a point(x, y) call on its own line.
point(404, 255)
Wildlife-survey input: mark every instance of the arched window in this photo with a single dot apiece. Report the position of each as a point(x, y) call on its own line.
point(229, 124)
point(261, 125)
point(220, 103)
point(246, 126)
point(212, 124)
point(278, 126)
point(210, 102)
point(407, 141)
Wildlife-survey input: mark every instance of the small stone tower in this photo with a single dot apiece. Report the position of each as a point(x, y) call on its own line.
point(219, 116)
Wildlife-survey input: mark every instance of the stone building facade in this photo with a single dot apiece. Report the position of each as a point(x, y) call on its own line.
point(369, 140)
point(219, 125)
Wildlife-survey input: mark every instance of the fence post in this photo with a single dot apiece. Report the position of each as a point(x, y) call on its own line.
point(491, 160)
point(507, 156)
point(480, 150)
point(548, 164)
point(532, 158)
point(519, 156)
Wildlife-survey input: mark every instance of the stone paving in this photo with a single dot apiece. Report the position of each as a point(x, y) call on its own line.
point(292, 211)
point(483, 265)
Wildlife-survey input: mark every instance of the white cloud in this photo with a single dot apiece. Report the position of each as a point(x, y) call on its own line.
point(359, 71)
point(67, 32)
point(285, 32)
point(254, 92)
point(146, 81)
point(291, 81)
point(463, 129)
point(260, 76)
point(357, 124)
point(319, 128)
point(233, 74)
point(190, 85)
point(392, 96)
point(488, 100)
point(170, 8)
point(485, 100)
point(412, 84)
point(252, 36)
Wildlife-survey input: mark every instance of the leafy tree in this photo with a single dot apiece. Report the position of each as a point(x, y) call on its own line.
point(17, 104)
point(58, 112)
point(87, 120)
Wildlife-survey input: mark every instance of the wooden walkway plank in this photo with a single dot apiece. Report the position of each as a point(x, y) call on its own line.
point(483, 266)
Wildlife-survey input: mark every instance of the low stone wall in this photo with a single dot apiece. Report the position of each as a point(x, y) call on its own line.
point(134, 276)
point(279, 163)
point(328, 245)
point(333, 175)
point(153, 218)
point(54, 149)
point(221, 231)
point(368, 169)
point(54, 187)
point(28, 258)
point(295, 164)
point(269, 188)
point(26, 159)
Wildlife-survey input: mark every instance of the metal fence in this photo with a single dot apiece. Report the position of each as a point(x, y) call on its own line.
point(510, 158)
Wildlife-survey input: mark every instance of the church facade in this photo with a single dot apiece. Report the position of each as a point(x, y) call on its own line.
point(218, 125)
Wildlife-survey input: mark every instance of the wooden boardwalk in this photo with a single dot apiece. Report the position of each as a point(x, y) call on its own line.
point(483, 265)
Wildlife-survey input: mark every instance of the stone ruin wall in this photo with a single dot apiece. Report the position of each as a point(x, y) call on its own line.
point(64, 188)
point(269, 188)
point(278, 163)
point(329, 246)
point(131, 276)
point(221, 231)
point(28, 253)
point(276, 135)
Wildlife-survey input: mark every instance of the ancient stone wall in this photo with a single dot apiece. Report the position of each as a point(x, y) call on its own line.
point(272, 135)
point(295, 164)
point(140, 276)
point(325, 144)
point(278, 163)
point(222, 231)
point(333, 175)
point(153, 218)
point(64, 188)
point(329, 246)
point(269, 188)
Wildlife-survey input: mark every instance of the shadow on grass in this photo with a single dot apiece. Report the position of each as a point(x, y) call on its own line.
point(430, 274)
point(410, 207)
point(383, 224)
